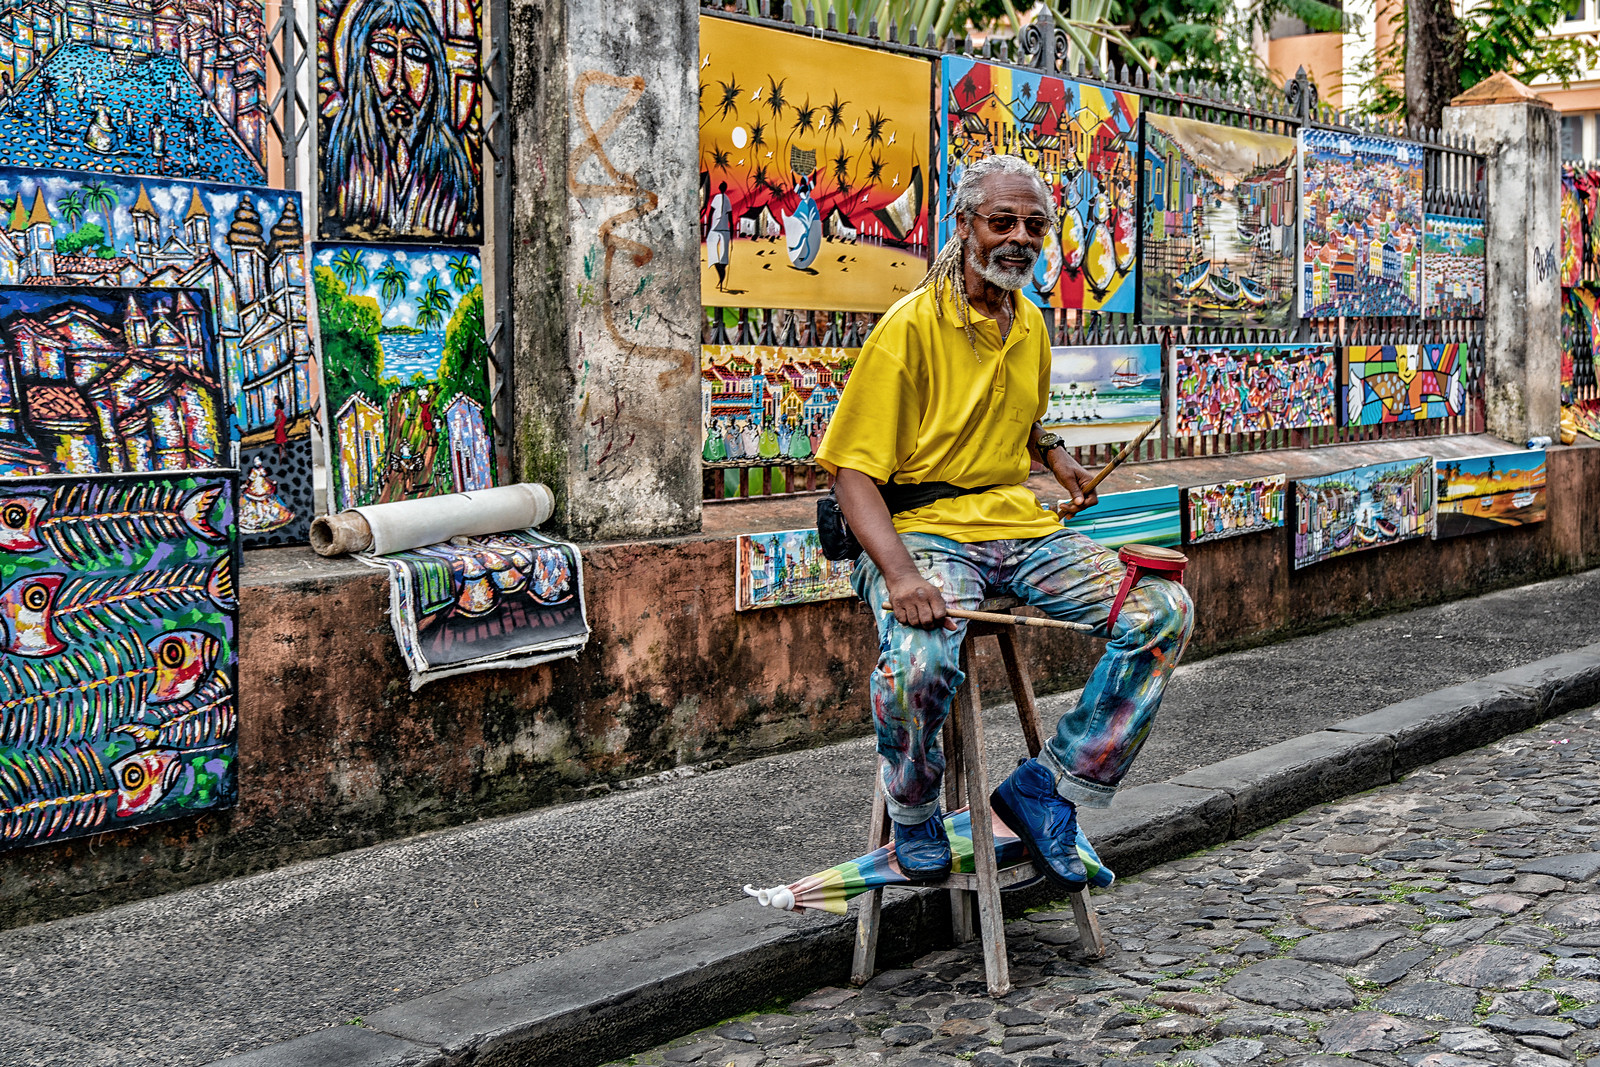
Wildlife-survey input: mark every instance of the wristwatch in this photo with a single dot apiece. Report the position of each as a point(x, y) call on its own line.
point(1047, 441)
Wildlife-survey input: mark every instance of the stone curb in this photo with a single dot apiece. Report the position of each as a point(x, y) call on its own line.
point(637, 990)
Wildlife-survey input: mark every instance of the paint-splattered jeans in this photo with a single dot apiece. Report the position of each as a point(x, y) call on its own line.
point(1068, 577)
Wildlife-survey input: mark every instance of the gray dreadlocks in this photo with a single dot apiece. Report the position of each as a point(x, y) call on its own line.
point(948, 270)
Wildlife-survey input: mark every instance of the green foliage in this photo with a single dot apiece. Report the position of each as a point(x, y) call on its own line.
point(463, 367)
point(88, 239)
point(349, 326)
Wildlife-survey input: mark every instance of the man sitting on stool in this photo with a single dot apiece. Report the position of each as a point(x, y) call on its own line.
point(930, 450)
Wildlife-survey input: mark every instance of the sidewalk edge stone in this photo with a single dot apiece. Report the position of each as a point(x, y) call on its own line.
point(1449, 721)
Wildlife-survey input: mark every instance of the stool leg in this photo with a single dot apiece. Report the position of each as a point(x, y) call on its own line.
point(1022, 692)
point(990, 914)
point(1089, 940)
point(963, 919)
point(870, 916)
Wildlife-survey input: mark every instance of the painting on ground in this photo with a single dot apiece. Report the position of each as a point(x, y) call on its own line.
point(1083, 139)
point(1364, 507)
point(1219, 224)
point(1103, 394)
point(244, 248)
point(1232, 509)
point(108, 381)
point(1403, 383)
point(1490, 492)
point(399, 130)
point(761, 403)
point(1454, 267)
point(477, 603)
point(1247, 388)
point(163, 89)
point(1361, 220)
point(1142, 517)
point(407, 367)
point(118, 649)
point(813, 171)
point(788, 567)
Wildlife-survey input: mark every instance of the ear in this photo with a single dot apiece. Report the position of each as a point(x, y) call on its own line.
point(963, 227)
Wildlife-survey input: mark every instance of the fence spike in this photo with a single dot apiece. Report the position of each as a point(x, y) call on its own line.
point(788, 10)
point(811, 14)
point(1138, 77)
point(852, 25)
point(894, 31)
point(833, 18)
point(911, 34)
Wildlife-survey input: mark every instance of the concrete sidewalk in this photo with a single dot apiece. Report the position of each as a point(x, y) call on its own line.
point(239, 965)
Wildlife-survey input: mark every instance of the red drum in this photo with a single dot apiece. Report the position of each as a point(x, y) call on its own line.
point(1141, 560)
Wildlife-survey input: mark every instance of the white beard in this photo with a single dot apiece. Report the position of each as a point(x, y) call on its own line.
point(1005, 278)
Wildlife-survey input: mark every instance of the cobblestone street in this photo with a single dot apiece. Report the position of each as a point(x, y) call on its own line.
point(1449, 920)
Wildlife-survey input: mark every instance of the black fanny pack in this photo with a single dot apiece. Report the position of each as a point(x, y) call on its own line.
point(839, 543)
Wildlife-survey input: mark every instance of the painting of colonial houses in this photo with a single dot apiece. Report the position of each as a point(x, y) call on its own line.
point(761, 403)
point(120, 380)
point(243, 247)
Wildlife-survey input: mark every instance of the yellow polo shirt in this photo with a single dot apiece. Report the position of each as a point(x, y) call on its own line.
point(922, 406)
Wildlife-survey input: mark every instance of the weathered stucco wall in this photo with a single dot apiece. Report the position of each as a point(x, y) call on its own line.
point(337, 752)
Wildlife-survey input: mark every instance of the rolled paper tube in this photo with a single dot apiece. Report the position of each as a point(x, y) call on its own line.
point(338, 535)
point(409, 524)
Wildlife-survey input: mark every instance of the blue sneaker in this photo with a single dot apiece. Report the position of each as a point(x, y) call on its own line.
point(1029, 804)
point(923, 850)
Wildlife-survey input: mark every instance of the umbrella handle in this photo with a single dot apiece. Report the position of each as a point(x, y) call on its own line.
point(779, 896)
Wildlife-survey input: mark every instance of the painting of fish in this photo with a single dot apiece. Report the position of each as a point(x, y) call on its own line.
point(118, 651)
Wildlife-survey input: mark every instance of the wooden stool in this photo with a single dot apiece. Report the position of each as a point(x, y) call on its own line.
point(966, 784)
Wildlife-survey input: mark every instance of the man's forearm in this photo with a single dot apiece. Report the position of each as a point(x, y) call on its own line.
point(872, 524)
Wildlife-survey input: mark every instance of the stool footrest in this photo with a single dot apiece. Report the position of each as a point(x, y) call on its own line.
point(1005, 878)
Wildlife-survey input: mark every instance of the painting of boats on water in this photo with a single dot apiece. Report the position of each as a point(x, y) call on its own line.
point(1140, 517)
point(1219, 224)
point(1361, 508)
point(1103, 394)
point(1487, 493)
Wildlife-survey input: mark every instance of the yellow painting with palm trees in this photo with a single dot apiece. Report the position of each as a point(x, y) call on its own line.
point(813, 170)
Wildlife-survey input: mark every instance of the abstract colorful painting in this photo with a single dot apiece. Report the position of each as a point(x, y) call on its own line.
point(245, 249)
point(764, 403)
point(1232, 509)
point(1490, 492)
point(1220, 208)
point(118, 650)
point(108, 381)
point(511, 599)
point(813, 170)
point(1361, 219)
point(407, 365)
point(1102, 394)
point(1142, 517)
point(400, 138)
point(1361, 508)
point(1454, 267)
point(1403, 383)
point(1246, 388)
point(165, 89)
point(1084, 141)
point(788, 567)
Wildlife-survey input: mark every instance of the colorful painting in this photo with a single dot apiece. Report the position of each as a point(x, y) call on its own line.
point(512, 599)
point(1102, 394)
point(1403, 383)
point(1361, 219)
point(1361, 508)
point(1083, 139)
point(760, 403)
point(400, 139)
point(244, 248)
point(118, 649)
point(788, 567)
point(108, 381)
point(1454, 267)
point(1140, 517)
point(1220, 210)
point(1490, 492)
point(402, 339)
point(175, 90)
point(813, 170)
point(1248, 388)
point(1232, 509)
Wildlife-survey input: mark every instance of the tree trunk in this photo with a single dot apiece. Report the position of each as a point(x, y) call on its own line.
point(1433, 60)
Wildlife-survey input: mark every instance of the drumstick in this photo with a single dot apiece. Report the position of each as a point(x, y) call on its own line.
point(1010, 620)
point(1127, 450)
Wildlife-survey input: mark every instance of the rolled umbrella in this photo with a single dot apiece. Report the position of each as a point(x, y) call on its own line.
point(831, 889)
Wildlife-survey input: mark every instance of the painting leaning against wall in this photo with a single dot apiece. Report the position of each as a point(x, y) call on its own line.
point(1083, 140)
point(1486, 493)
point(400, 135)
point(765, 404)
point(408, 372)
point(118, 652)
point(245, 249)
point(1141, 516)
point(1103, 394)
point(1232, 509)
point(170, 90)
point(813, 170)
point(1403, 383)
point(1361, 508)
point(787, 567)
point(1249, 388)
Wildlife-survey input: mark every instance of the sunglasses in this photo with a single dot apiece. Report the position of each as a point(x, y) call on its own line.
point(1005, 222)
